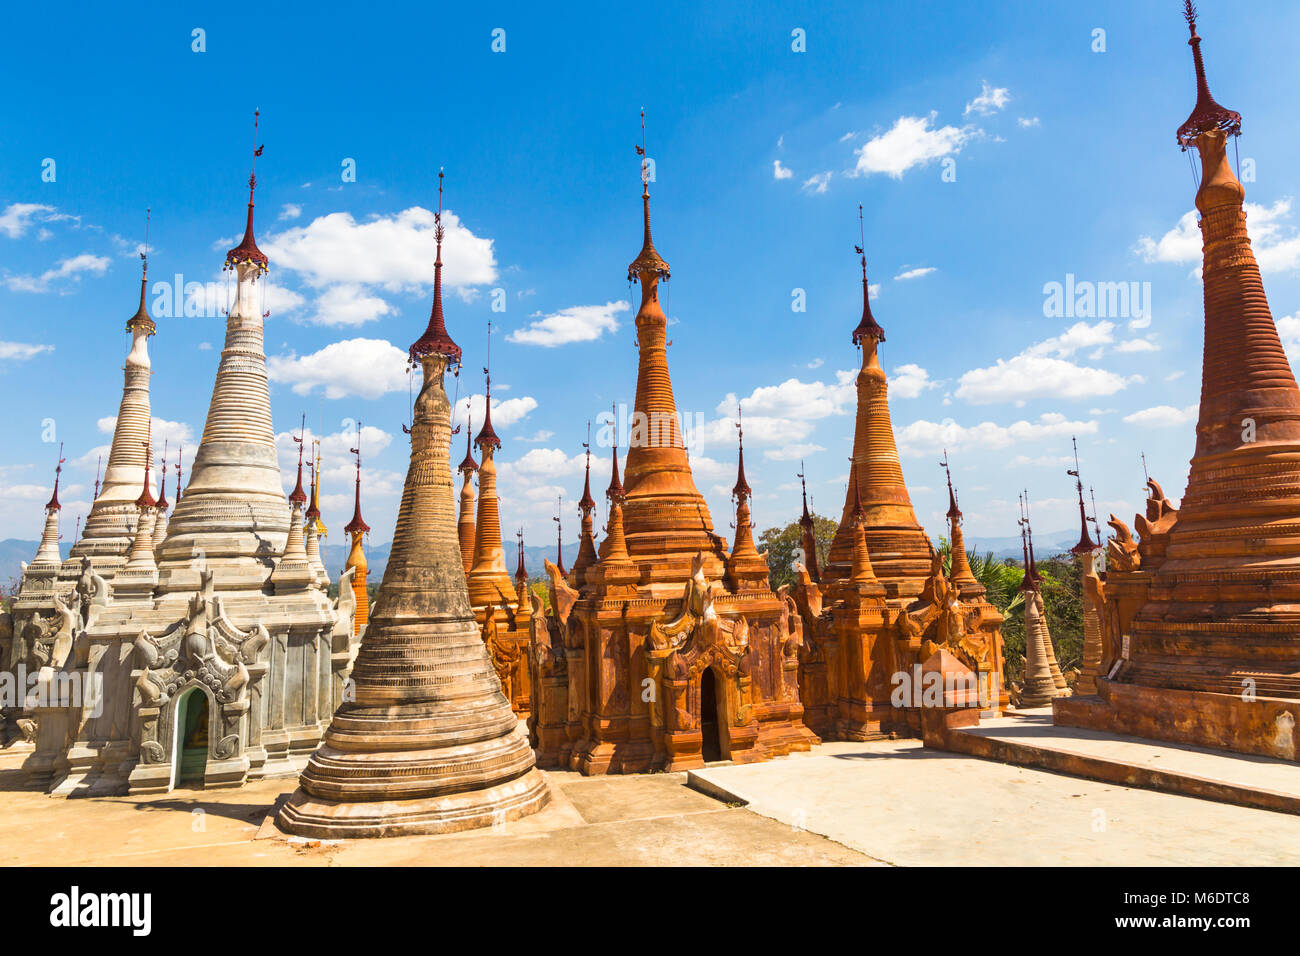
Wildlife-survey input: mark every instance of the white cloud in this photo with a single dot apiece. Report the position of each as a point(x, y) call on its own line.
point(1027, 122)
point(504, 413)
point(578, 323)
point(290, 211)
point(395, 252)
point(914, 273)
point(21, 350)
point(19, 216)
point(542, 435)
point(990, 100)
point(925, 436)
point(1137, 345)
point(792, 452)
point(1081, 335)
point(817, 183)
point(348, 304)
point(71, 268)
point(1028, 376)
point(817, 363)
point(366, 368)
point(1163, 415)
point(910, 142)
point(909, 381)
point(793, 399)
point(779, 171)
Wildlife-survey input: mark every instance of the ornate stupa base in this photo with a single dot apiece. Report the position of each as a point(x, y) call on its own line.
point(310, 816)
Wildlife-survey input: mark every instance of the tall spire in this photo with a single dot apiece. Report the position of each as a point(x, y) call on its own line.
point(559, 533)
point(110, 526)
point(162, 503)
point(521, 572)
point(247, 250)
point(809, 536)
point(313, 511)
point(960, 573)
point(146, 499)
point(614, 546)
point(357, 524)
point(489, 581)
point(356, 529)
point(745, 566)
point(435, 340)
point(586, 509)
point(665, 513)
point(47, 553)
point(141, 320)
point(233, 509)
point(1085, 545)
point(867, 326)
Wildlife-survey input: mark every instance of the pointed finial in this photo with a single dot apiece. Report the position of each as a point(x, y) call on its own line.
point(741, 489)
point(648, 265)
point(163, 504)
point(53, 503)
point(299, 496)
point(487, 435)
point(615, 490)
point(1085, 545)
point(867, 328)
point(1207, 115)
point(180, 452)
point(357, 524)
point(247, 250)
point(146, 499)
point(98, 464)
point(559, 533)
point(953, 511)
point(144, 254)
point(435, 340)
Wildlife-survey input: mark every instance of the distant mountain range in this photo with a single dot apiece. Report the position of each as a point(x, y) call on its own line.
point(14, 551)
point(1046, 544)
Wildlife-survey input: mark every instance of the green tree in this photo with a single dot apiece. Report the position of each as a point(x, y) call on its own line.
point(783, 546)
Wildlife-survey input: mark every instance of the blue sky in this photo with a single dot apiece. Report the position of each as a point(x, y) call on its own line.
point(1065, 164)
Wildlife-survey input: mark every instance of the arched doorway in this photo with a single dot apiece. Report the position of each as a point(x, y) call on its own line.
point(712, 741)
point(191, 750)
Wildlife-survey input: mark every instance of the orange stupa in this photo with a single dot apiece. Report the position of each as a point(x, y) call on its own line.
point(900, 550)
point(1212, 654)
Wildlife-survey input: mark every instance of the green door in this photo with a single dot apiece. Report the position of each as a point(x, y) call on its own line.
point(192, 716)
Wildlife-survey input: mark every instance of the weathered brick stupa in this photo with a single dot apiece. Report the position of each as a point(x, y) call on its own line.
point(1042, 680)
point(876, 622)
point(222, 659)
point(670, 652)
point(110, 525)
point(430, 744)
point(1211, 654)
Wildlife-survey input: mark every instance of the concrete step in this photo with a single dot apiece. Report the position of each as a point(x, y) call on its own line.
point(1029, 739)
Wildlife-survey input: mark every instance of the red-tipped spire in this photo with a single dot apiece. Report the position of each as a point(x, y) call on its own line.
point(247, 250)
point(53, 503)
point(587, 504)
point(741, 488)
point(146, 499)
point(162, 503)
point(298, 496)
point(141, 319)
point(559, 534)
point(435, 340)
point(312, 512)
point(867, 327)
point(179, 453)
point(357, 524)
point(954, 513)
point(805, 519)
point(1085, 545)
point(1207, 114)
point(487, 436)
point(468, 464)
point(521, 572)
point(648, 261)
point(615, 490)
